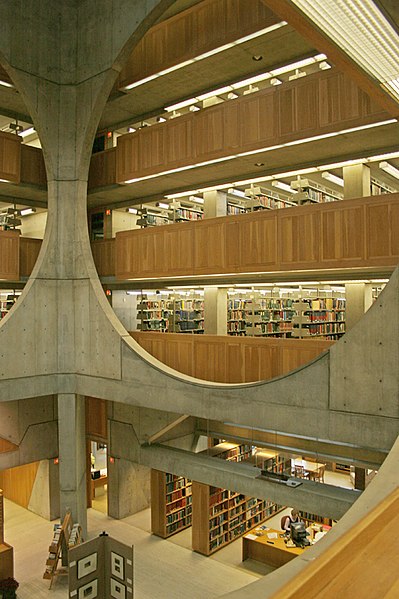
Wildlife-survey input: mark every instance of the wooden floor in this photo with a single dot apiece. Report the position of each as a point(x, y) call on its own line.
point(163, 569)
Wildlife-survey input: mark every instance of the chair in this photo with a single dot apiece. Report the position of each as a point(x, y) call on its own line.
point(299, 472)
point(319, 475)
point(282, 521)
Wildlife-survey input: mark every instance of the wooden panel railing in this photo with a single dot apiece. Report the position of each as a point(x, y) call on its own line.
point(363, 232)
point(10, 157)
point(102, 170)
point(29, 249)
point(226, 359)
point(9, 255)
point(295, 110)
point(104, 256)
point(200, 28)
point(33, 170)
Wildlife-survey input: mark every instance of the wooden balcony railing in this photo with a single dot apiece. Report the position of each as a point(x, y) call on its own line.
point(358, 233)
point(225, 359)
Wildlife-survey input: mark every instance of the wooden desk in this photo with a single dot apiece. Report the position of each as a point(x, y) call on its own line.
point(274, 555)
point(98, 482)
point(6, 561)
point(312, 468)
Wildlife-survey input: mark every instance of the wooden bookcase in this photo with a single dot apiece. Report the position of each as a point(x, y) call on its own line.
point(171, 507)
point(221, 516)
point(232, 452)
point(320, 317)
point(309, 518)
point(272, 461)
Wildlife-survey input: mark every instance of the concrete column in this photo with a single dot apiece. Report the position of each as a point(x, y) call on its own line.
point(356, 181)
point(72, 457)
point(215, 204)
point(215, 311)
point(358, 301)
point(129, 487)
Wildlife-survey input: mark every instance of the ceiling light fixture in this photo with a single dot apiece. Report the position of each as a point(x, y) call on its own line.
point(257, 57)
point(182, 104)
point(131, 130)
point(250, 80)
point(283, 186)
point(5, 83)
point(390, 169)
point(363, 33)
point(27, 132)
point(332, 178)
point(27, 211)
point(215, 92)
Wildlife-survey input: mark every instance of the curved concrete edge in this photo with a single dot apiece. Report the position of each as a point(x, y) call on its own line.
point(382, 485)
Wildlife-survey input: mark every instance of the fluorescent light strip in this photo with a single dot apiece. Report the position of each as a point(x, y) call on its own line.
point(182, 104)
point(390, 169)
point(268, 149)
point(5, 83)
point(283, 186)
point(27, 132)
point(333, 178)
point(206, 55)
point(362, 31)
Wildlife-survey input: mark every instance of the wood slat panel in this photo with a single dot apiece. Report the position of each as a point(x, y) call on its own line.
point(340, 234)
point(96, 418)
point(104, 256)
point(200, 28)
point(17, 483)
point(9, 255)
point(102, 171)
point(10, 157)
point(209, 245)
point(226, 359)
point(298, 237)
point(258, 241)
point(260, 361)
point(33, 169)
point(209, 359)
point(29, 249)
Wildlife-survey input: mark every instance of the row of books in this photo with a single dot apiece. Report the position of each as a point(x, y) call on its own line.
point(175, 526)
point(179, 515)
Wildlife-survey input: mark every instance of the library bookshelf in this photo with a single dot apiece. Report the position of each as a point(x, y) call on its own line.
point(221, 516)
point(171, 503)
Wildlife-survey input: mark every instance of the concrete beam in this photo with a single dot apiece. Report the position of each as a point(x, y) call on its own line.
point(326, 500)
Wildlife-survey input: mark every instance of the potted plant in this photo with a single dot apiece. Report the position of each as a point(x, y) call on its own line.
point(8, 588)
